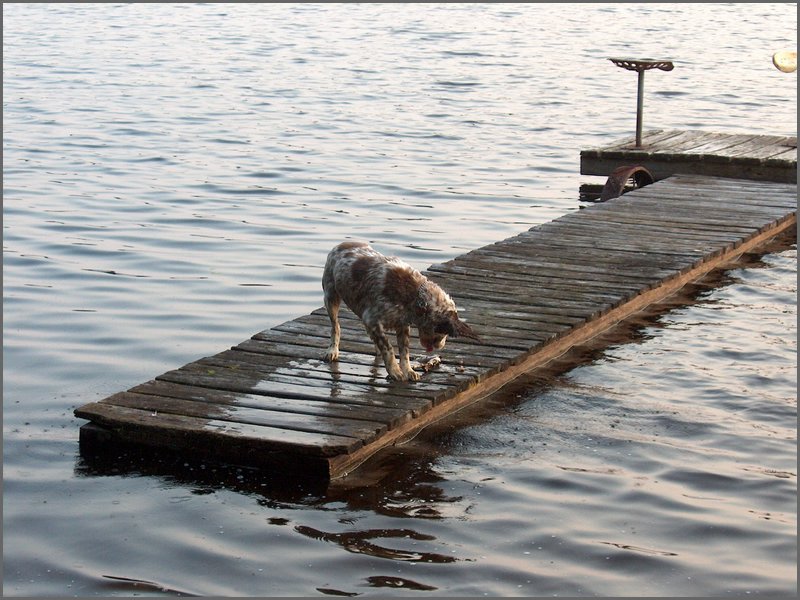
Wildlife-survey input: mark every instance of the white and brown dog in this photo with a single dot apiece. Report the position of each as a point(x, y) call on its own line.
point(387, 294)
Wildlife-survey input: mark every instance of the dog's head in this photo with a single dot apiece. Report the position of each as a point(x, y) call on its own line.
point(437, 318)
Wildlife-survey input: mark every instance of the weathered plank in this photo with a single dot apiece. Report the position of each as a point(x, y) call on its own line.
point(719, 143)
point(192, 433)
point(343, 370)
point(665, 153)
point(380, 414)
point(361, 429)
point(288, 387)
point(271, 400)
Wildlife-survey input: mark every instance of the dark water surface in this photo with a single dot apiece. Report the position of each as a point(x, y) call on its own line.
point(173, 178)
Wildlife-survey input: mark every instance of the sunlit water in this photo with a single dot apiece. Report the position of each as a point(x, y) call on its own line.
point(173, 178)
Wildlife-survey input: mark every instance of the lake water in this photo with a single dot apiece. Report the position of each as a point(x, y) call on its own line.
point(174, 176)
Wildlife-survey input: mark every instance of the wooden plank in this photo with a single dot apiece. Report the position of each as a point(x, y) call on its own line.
point(662, 148)
point(341, 370)
point(547, 317)
point(767, 192)
point(545, 282)
point(323, 382)
point(608, 253)
point(272, 400)
point(191, 433)
point(655, 237)
point(688, 202)
point(501, 340)
point(686, 143)
point(787, 155)
point(339, 375)
point(633, 225)
point(650, 139)
point(576, 263)
point(702, 183)
point(288, 388)
point(536, 277)
point(522, 283)
point(662, 212)
point(762, 147)
point(466, 353)
point(533, 331)
point(361, 429)
point(391, 417)
point(661, 169)
point(546, 314)
point(687, 197)
point(535, 301)
point(486, 363)
point(584, 251)
point(720, 142)
point(573, 236)
point(738, 156)
point(477, 281)
point(515, 331)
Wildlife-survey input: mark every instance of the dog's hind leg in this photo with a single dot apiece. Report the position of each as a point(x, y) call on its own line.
point(404, 341)
point(332, 302)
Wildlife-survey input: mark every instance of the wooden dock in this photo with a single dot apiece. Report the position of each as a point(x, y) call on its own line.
point(667, 152)
point(271, 400)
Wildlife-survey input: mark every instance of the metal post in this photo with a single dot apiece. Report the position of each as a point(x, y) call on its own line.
point(639, 109)
point(640, 66)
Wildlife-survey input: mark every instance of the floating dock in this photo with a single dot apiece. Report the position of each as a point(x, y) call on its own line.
point(271, 401)
point(667, 152)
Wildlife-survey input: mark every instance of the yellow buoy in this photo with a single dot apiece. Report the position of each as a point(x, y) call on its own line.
point(785, 60)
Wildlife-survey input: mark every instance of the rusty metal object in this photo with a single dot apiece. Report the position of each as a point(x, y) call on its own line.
point(640, 65)
point(619, 178)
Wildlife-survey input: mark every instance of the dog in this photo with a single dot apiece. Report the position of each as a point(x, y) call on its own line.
point(388, 294)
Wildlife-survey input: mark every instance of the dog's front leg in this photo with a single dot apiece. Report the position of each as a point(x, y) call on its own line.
point(404, 341)
point(332, 302)
point(384, 346)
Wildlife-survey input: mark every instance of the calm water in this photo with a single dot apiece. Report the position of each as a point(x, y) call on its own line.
point(173, 178)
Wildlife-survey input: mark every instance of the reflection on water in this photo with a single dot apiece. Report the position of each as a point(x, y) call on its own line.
point(357, 542)
point(174, 176)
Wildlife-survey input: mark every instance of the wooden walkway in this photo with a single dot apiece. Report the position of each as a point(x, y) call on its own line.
point(272, 401)
point(664, 153)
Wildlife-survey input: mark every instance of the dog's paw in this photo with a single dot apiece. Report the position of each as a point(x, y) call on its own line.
point(412, 376)
point(395, 374)
point(403, 375)
point(332, 355)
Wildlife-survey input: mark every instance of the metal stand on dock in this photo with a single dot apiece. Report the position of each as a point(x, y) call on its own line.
point(640, 66)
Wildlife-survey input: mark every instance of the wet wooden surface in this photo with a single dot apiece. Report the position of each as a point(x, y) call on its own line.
point(271, 400)
point(667, 152)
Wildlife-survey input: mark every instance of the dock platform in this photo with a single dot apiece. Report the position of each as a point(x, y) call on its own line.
point(667, 152)
point(271, 401)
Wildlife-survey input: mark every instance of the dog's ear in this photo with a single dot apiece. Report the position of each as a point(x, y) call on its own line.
point(446, 327)
point(461, 329)
point(455, 327)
